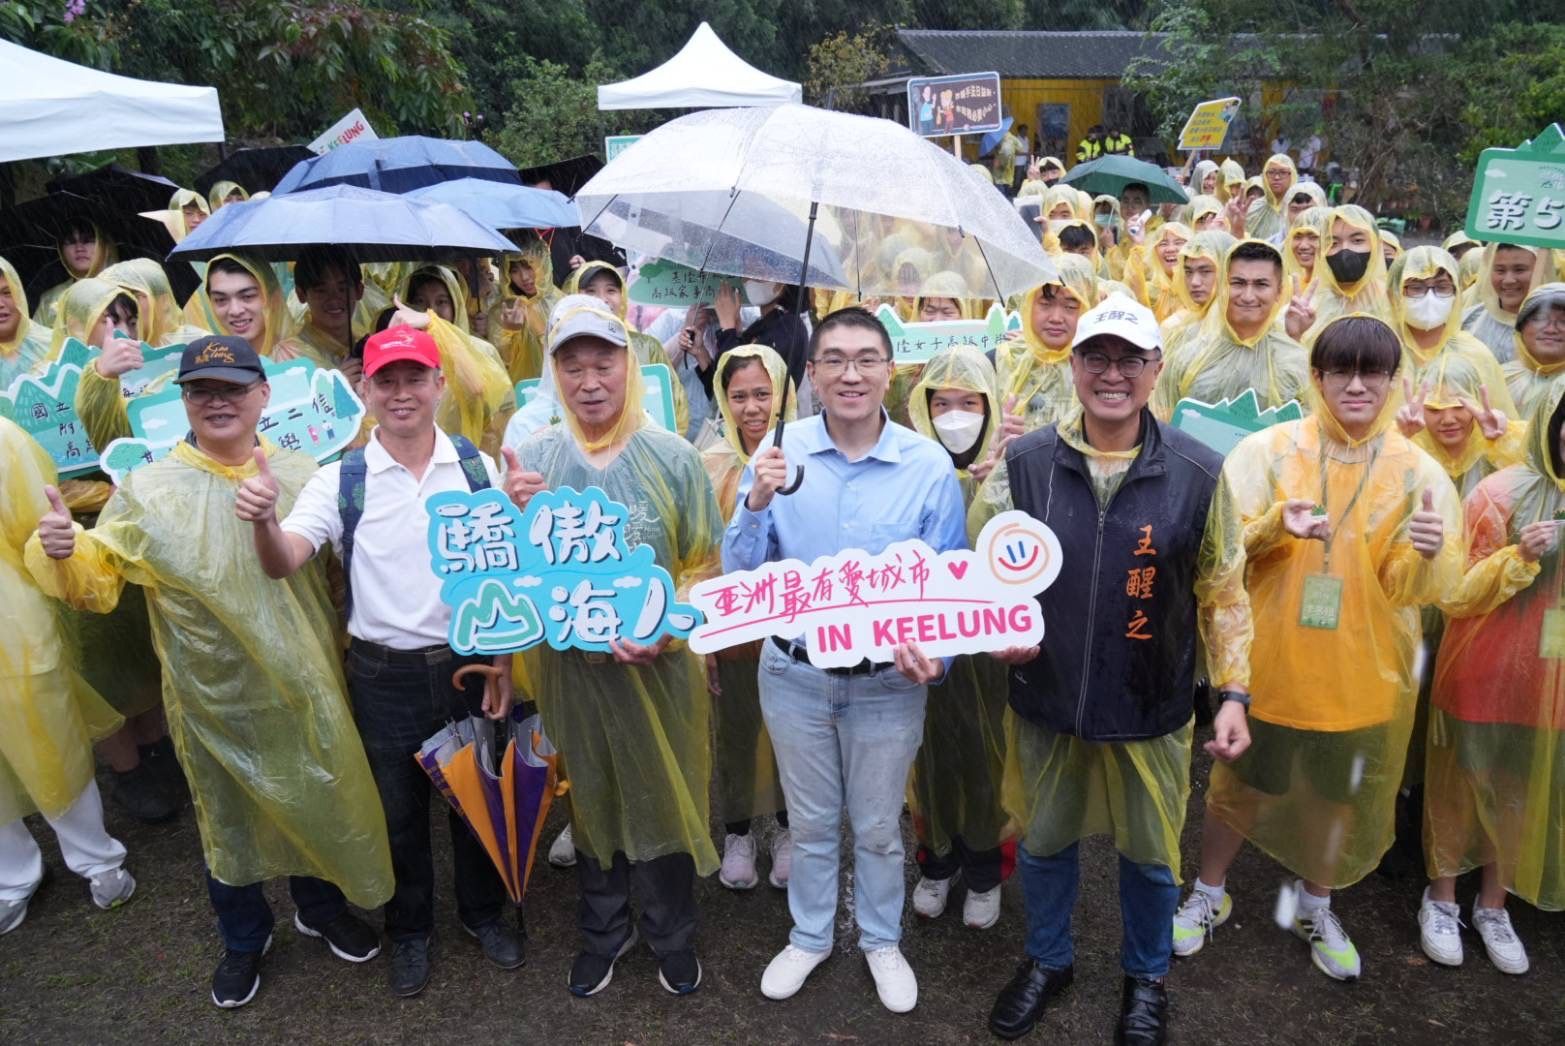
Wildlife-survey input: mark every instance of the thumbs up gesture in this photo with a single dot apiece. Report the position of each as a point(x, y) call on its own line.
point(256, 499)
point(1426, 530)
point(520, 486)
point(56, 532)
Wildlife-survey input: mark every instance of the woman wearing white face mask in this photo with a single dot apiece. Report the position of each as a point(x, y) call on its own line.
point(954, 790)
point(1425, 303)
point(779, 326)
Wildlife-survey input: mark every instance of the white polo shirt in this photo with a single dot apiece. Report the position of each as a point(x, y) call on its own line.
point(396, 596)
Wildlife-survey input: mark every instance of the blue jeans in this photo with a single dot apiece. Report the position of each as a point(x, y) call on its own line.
point(1148, 898)
point(245, 919)
point(842, 740)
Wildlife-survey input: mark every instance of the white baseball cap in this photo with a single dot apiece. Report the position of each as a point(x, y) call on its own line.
point(1120, 316)
point(583, 316)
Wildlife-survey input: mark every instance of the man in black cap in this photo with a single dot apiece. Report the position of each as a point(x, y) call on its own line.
point(253, 683)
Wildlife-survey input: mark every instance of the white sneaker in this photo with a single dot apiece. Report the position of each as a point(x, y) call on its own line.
point(930, 896)
point(1440, 930)
point(738, 870)
point(1331, 950)
point(112, 889)
point(12, 913)
point(562, 853)
point(894, 980)
point(981, 910)
point(782, 859)
point(788, 970)
point(1196, 919)
point(1499, 939)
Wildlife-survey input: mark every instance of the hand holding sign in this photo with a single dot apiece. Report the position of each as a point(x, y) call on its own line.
point(56, 531)
point(256, 499)
point(914, 666)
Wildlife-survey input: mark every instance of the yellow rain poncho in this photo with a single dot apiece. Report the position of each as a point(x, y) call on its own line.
point(1213, 363)
point(1390, 239)
point(943, 284)
point(1367, 296)
point(1495, 767)
point(1332, 708)
point(646, 348)
point(1031, 372)
point(1315, 224)
point(1059, 198)
point(1530, 379)
point(1486, 319)
point(1213, 246)
point(49, 716)
point(1200, 208)
point(1198, 179)
point(274, 310)
point(162, 322)
point(107, 254)
point(217, 196)
point(521, 348)
point(1268, 217)
point(1114, 242)
point(1451, 379)
point(1472, 266)
point(27, 350)
point(635, 736)
point(954, 789)
point(746, 783)
point(82, 308)
point(1425, 263)
point(1148, 281)
point(479, 398)
point(1231, 179)
point(255, 697)
point(174, 219)
point(1459, 238)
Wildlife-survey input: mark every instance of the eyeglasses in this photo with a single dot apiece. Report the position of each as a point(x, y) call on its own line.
point(1370, 378)
point(203, 395)
point(868, 364)
point(1128, 366)
point(1414, 290)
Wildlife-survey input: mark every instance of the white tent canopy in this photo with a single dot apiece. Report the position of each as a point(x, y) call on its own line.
point(50, 107)
point(705, 74)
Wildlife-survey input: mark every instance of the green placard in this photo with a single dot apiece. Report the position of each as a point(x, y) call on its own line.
point(670, 284)
point(918, 342)
point(615, 144)
point(657, 393)
point(1223, 424)
point(44, 406)
point(1519, 194)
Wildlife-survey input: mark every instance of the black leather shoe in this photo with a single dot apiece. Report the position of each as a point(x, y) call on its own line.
point(409, 967)
point(1143, 1013)
point(1021, 1003)
point(502, 945)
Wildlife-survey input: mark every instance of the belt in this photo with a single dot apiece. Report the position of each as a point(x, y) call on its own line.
point(798, 653)
point(438, 654)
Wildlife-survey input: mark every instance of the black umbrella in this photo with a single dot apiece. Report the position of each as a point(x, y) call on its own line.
point(258, 170)
point(566, 176)
point(118, 189)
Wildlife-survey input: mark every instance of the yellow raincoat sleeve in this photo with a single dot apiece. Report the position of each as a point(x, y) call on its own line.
point(478, 388)
point(1407, 577)
point(104, 560)
point(1496, 570)
point(992, 498)
point(1226, 626)
point(100, 404)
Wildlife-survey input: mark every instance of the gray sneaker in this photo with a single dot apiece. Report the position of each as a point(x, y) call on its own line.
point(112, 889)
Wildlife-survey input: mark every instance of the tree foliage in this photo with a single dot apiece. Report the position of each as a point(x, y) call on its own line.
point(843, 60)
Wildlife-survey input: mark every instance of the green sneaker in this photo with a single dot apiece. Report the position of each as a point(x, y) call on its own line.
point(1330, 949)
point(1196, 919)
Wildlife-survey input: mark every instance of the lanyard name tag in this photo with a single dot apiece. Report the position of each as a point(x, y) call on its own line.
point(1551, 641)
point(1321, 606)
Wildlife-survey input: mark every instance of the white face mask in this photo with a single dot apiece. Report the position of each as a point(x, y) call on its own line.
point(959, 430)
point(759, 292)
point(1429, 312)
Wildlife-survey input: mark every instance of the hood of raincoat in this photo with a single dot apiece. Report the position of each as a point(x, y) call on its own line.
point(1310, 189)
point(1314, 221)
point(1075, 275)
point(1450, 380)
point(1199, 207)
point(1367, 295)
point(1540, 457)
point(1051, 240)
point(1217, 312)
point(1387, 236)
point(1549, 295)
point(145, 276)
point(1149, 269)
point(1213, 245)
point(576, 280)
point(1230, 178)
point(107, 254)
point(1542, 272)
point(453, 285)
point(1278, 202)
point(776, 369)
point(24, 323)
point(218, 194)
point(535, 254)
point(1456, 239)
point(274, 315)
point(82, 307)
point(179, 227)
point(948, 284)
point(631, 414)
point(1423, 263)
point(1198, 176)
point(1063, 194)
point(1472, 266)
point(963, 367)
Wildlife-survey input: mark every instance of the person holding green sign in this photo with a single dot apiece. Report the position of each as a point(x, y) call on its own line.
point(24, 342)
point(1508, 273)
point(1539, 339)
point(163, 323)
point(1348, 528)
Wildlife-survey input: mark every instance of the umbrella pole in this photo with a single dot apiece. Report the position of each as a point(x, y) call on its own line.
point(782, 410)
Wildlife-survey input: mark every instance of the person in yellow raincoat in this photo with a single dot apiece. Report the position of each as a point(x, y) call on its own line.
point(479, 397)
point(186, 211)
point(225, 192)
point(1114, 243)
point(1390, 246)
point(1075, 236)
point(330, 285)
point(1033, 365)
point(162, 322)
point(84, 252)
point(1459, 244)
point(1267, 217)
point(1302, 249)
point(749, 384)
point(255, 692)
point(1231, 180)
point(519, 320)
point(1237, 346)
point(1424, 296)
point(1063, 202)
point(943, 300)
point(1204, 180)
point(24, 342)
point(954, 788)
point(1353, 278)
point(1539, 340)
point(603, 281)
point(1203, 212)
point(633, 725)
point(1150, 276)
point(49, 716)
point(1507, 273)
point(1195, 285)
point(1496, 744)
point(1347, 529)
point(240, 296)
point(1472, 267)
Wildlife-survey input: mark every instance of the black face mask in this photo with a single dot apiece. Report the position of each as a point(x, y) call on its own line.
point(1348, 266)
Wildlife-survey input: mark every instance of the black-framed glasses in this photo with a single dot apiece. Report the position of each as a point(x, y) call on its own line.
point(1128, 366)
point(202, 395)
point(867, 364)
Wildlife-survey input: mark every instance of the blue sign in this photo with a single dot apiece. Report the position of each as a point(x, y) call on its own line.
point(559, 573)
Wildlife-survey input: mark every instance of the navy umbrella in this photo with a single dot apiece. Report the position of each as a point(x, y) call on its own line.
point(500, 205)
point(256, 169)
point(399, 164)
point(375, 226)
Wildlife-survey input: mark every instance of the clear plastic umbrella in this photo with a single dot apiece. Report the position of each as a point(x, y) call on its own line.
point(741, 192)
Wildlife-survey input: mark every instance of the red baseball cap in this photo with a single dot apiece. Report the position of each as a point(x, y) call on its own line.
point(400, 343)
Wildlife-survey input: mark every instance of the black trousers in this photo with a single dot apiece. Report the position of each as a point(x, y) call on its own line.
point(666, 889)
point(980, 868)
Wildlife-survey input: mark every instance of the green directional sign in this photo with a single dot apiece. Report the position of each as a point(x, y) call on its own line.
point(918, 342)
point(1223, 424)
point(1519, 194)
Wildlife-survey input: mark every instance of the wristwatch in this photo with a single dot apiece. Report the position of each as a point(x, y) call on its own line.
point(1234, 695)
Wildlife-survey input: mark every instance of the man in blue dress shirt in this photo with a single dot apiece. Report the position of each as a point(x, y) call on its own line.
point(845, 736)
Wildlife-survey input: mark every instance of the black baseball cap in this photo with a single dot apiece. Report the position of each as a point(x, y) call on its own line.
point(220, 357)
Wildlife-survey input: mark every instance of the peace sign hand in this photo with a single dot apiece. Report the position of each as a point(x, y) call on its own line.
point(1410, 416)
point(1491, 422)
point(1301, 314)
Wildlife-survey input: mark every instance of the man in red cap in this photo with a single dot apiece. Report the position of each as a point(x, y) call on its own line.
point(371, 507)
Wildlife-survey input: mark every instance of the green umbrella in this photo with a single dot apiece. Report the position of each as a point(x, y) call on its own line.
point(1110, 174)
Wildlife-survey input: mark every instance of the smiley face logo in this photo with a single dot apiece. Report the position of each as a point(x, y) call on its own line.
point(1020, 551)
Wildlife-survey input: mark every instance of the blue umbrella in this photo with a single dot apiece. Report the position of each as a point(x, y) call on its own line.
point(375, 226)
point(399, 165)
point(502, 206)
point(992, 139)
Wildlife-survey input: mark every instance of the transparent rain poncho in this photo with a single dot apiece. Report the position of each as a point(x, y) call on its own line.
point(274, 312)
point(27, 350)
point(745, 770)
point(1200, 208)
point(1231, 178)
point(1424, 263)
point(255, 698)
point(634, 736)
point(1451, 379)
point(647, 348)
point(954, 788)
point(1530, 379)
point(46, 311)
point(1495, 752)
point(522, 348)
point(479, 398)
point(49, 716)
point(1198, 178)
point(1268, 217)
point(1485, 318)
point(161, 318)
point(1332, 708)
point(1118, 250)
point(217, 196)
point(1213, 363)
point(1314, 223)
point(1145, 277)
point(1213, 246)
point(1034, 375)
point(1367, 296)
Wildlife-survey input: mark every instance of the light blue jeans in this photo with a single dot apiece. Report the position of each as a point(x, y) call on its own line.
point(842, 740)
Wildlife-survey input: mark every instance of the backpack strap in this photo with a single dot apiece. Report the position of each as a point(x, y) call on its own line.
point(472, 464)
point(350, 507)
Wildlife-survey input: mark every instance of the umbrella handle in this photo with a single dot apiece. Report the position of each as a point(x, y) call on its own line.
point(492, 676)
point(804, 274)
